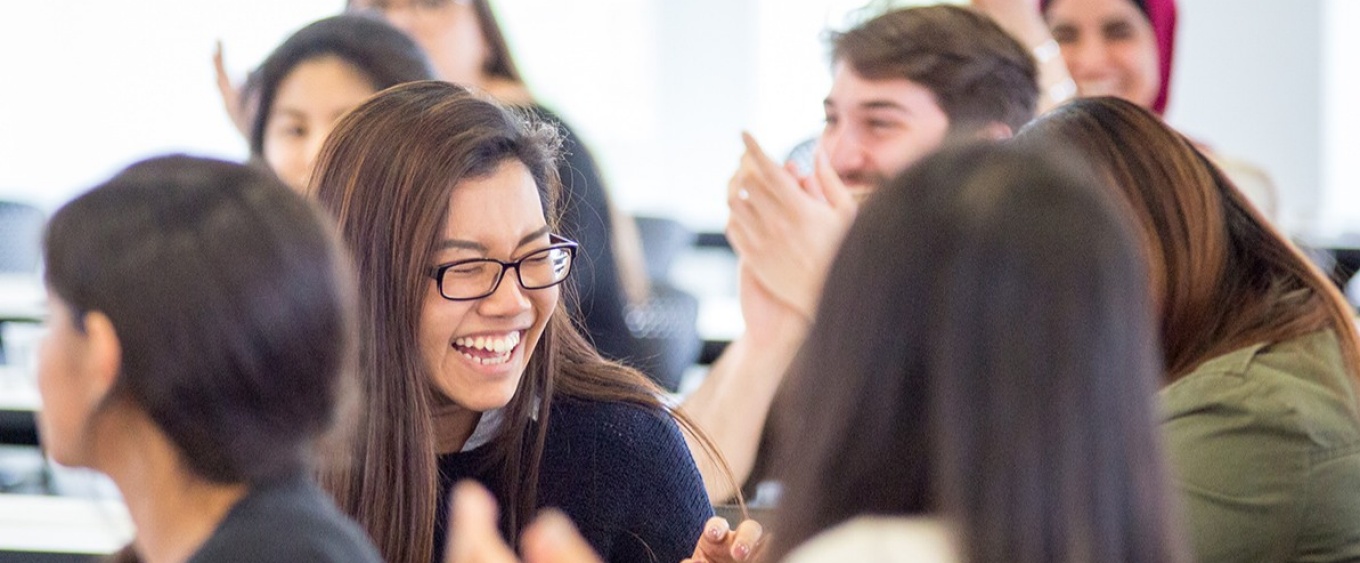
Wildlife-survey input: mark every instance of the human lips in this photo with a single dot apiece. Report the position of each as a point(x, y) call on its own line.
point(489, 348)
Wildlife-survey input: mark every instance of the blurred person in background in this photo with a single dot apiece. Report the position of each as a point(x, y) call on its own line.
point(317, 75)
point(903, 84)
point(202, 346)
point(1123, 48)
point(1262, 361)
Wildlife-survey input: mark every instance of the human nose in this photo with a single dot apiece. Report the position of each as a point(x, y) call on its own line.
point(1085, 57)
point(843, 150)
point(509, 298)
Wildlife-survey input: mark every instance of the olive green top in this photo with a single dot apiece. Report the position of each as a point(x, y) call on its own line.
point(1265, 445)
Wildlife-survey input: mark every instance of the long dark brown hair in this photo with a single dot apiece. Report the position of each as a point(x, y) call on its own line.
point(984, 352)
point(386, 173)
point(1223, 277)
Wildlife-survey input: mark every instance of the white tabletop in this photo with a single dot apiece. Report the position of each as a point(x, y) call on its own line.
point(46, 524)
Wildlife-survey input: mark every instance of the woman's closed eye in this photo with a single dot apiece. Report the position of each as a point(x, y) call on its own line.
point(468, 268)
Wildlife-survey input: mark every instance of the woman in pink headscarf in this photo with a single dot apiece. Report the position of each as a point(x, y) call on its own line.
point(1122, 48)
point(1118, 48)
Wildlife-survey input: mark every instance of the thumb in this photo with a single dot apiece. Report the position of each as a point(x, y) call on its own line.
point(553, 539)
point(473, 535)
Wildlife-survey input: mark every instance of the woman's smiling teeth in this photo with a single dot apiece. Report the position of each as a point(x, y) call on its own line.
point(488, 350)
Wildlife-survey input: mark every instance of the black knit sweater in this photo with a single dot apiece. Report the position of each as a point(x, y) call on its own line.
point(621, 472)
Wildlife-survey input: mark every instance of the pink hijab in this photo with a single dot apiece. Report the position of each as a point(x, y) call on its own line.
point(1162, 15)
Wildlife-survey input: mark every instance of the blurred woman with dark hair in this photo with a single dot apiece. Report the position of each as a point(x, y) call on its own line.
point(472, 369)
point(979, 382)
point(201, 345)
point(1122, 48)
point(1261, 350)
point(313, 78)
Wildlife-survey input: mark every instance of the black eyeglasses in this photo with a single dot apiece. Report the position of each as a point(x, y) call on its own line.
point(466, 280)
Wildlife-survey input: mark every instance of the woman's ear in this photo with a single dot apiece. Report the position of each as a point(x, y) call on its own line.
point(104, 358)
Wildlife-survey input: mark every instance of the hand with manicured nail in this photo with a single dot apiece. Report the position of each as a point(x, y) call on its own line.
point(720, 544)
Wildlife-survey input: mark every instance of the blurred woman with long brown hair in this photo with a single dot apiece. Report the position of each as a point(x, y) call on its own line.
point(1261, 350)
point(979, 384)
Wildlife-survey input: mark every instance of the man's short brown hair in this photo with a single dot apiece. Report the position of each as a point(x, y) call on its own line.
point(978, 73)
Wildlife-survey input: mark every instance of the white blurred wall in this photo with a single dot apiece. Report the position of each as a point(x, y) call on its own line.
point(659, 88)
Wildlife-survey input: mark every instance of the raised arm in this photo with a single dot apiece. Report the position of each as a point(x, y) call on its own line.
point(786, 231)
point(1021, 18)
point(231, 93)
point(732, 403)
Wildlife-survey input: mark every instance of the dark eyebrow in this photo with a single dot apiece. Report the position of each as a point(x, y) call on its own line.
point(531, 236)
point(884, 104)
point(479, 247)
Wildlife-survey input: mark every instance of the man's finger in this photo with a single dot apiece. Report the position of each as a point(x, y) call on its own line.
point(774, 179)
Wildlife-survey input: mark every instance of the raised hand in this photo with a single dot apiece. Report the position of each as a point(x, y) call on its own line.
point(231, 93)
point(786, 230)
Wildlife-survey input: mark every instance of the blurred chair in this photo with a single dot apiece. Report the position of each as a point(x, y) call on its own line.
point(663, 240)
point(665, 325)
point(20, 238)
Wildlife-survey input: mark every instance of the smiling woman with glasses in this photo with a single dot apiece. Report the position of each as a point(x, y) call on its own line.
point(473, 371)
